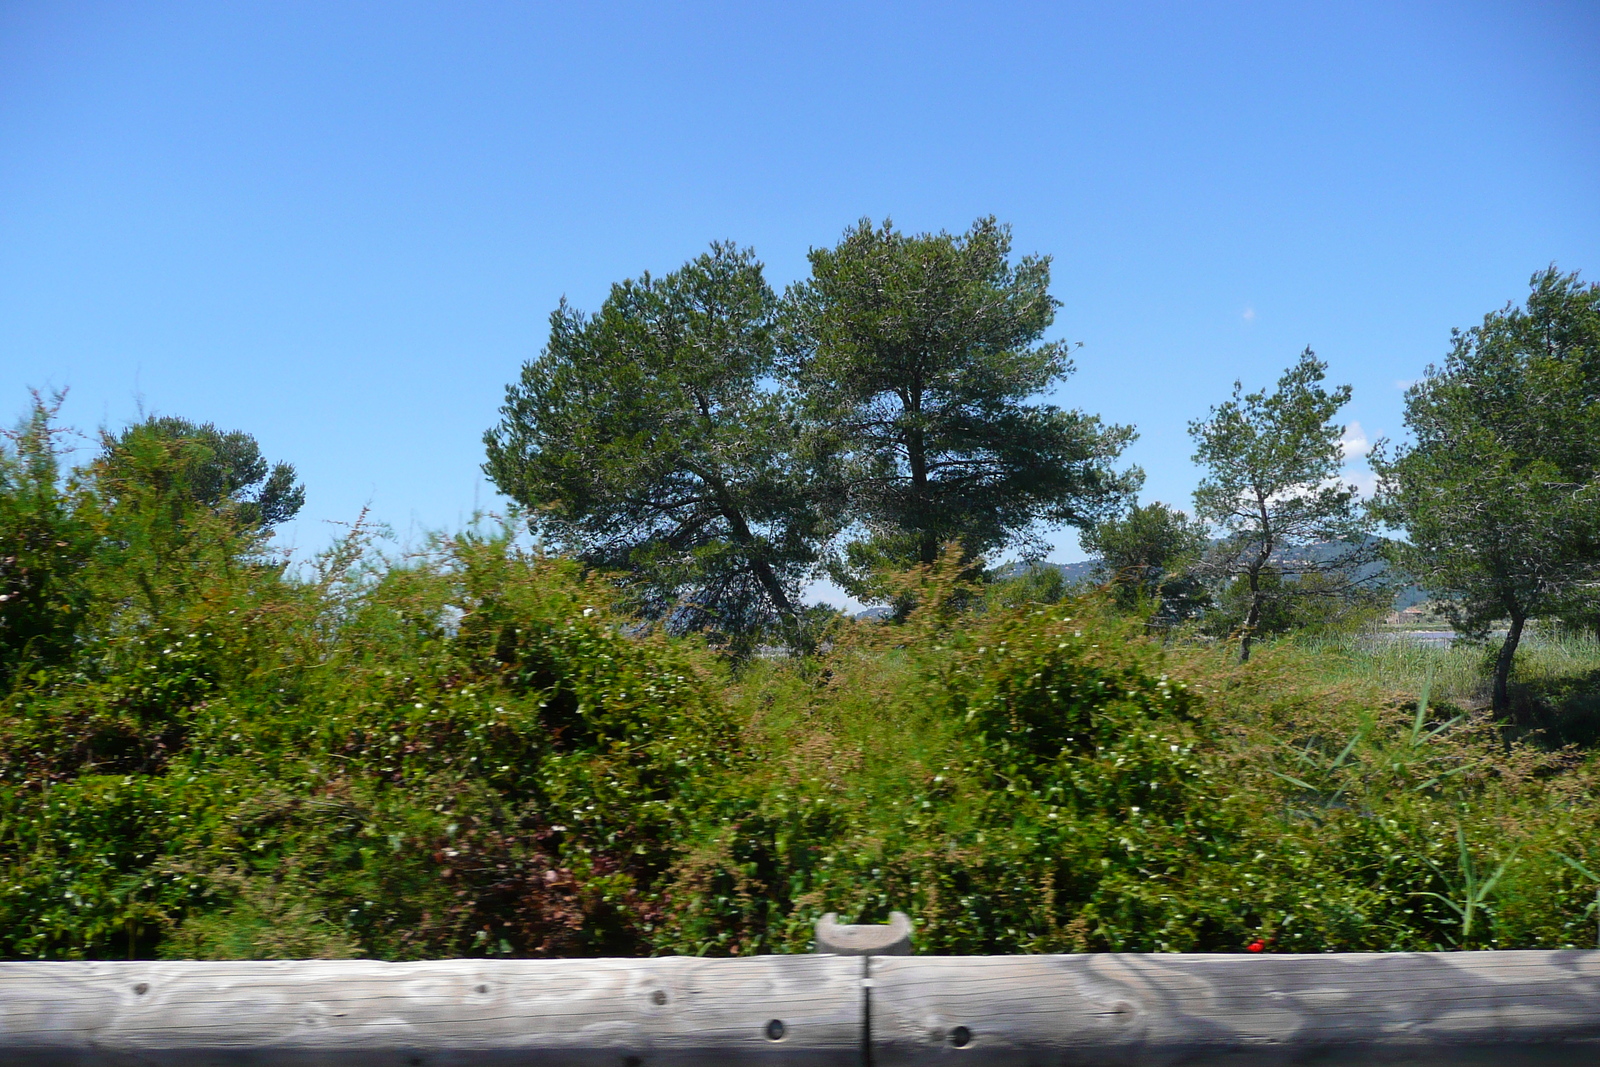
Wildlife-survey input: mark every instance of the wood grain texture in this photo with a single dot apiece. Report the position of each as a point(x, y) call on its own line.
point(558, 1013)
point(1502, 1008)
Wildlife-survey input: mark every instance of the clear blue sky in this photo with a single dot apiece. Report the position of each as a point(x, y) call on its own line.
point(341, 226)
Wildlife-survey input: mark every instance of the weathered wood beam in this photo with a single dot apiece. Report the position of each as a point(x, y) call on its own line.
point(1128, 1010)
point(772, 1011)
point(1502, 1008)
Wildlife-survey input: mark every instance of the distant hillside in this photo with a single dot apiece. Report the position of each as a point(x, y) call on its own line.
point(1081, 571)
point(1085, 570)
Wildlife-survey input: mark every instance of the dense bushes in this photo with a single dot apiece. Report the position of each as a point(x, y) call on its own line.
point(460, 753)
point(464, 755)
point(1047, 779)
point(469, 752)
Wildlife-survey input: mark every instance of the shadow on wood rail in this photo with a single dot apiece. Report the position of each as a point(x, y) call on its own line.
point(879, 1011)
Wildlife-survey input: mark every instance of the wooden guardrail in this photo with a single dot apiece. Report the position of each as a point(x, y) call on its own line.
point(1502, 1008)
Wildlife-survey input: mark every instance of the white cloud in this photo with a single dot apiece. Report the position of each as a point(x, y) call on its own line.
point(1366, 482)
point(1354, 442)
point(1404, 383)
point(1249, 314)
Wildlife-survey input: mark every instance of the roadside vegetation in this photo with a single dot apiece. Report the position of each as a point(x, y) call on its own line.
point(638, 738)
point(469, 751)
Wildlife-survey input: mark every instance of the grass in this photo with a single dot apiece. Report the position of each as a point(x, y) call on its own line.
point(1555, 684)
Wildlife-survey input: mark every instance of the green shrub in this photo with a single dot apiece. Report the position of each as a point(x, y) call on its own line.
point(471, 753)
point(1048, 780)
point(472, 758)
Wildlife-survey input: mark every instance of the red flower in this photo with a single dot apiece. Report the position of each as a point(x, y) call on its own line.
point(1255, 946)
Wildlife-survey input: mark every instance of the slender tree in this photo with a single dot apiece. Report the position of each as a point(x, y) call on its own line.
point(1272, 487)
point(1499, 493)
point(921, 361)
point(650, 439)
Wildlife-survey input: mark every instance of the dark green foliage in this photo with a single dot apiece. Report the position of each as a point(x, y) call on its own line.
point(919, 358)
point(1148, 555)
point(647, 439)
point(1272, 486)
point(1500, 492)
point(663, 438)
point(1316, 603)
point(196, 463)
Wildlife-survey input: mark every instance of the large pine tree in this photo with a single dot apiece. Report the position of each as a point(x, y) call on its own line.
point(650, 439)
point(921, 359)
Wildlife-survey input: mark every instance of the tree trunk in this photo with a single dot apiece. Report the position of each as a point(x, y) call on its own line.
point(928, 542)
point(1252, 617)
point(774, 589)
point(765, 576)
point(917, 460)
point(1502, 665)
point(777, 596)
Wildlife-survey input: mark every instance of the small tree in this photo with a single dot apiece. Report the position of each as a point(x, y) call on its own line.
point(1148, 554)
point(131, 535)
point(920, 359)
point(1272, 487)
point(200, 464)
point(175, 500)
point(1316, 601)
point(648, 439)
point(1499, 493)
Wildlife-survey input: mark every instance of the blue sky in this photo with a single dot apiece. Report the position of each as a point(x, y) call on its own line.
point(342, 226)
